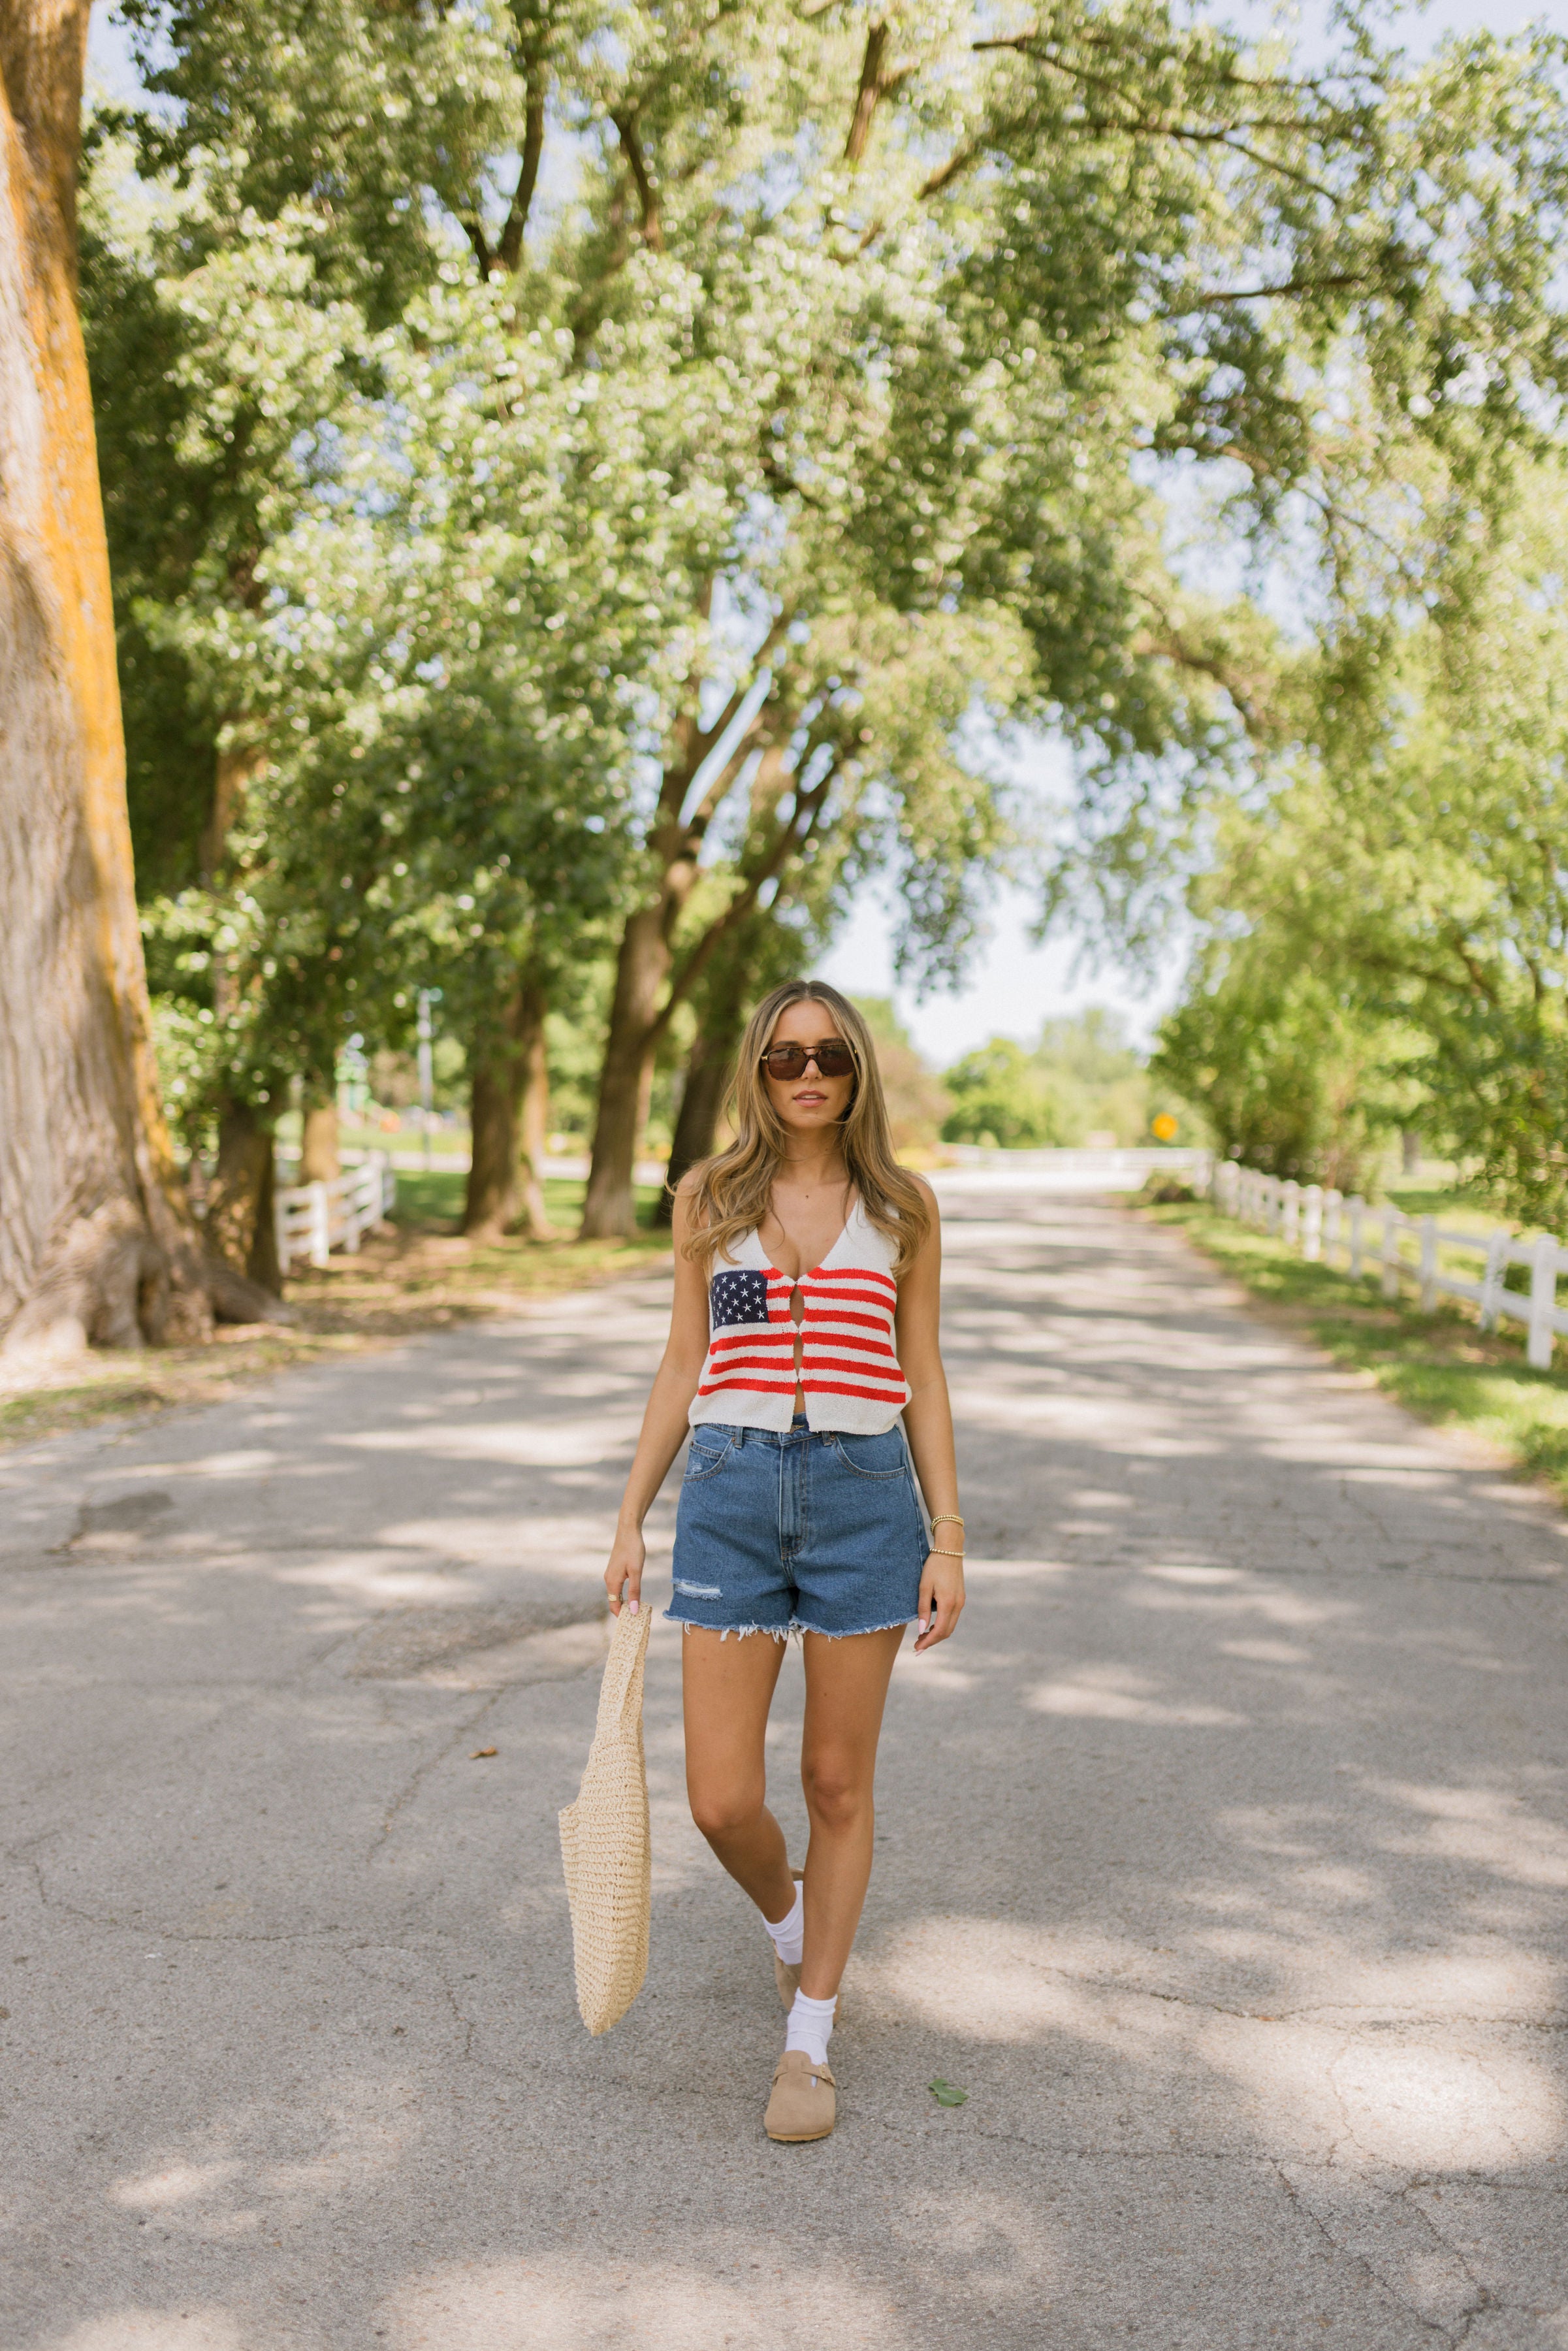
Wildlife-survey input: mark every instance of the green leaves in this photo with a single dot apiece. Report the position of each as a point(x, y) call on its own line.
point(845, 388)
point(945, 2094)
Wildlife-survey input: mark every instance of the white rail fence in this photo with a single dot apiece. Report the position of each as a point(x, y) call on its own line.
point(1335, 1229)
point(313, 1219)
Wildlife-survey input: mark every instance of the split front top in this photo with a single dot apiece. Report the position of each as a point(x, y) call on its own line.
point(848, 1372)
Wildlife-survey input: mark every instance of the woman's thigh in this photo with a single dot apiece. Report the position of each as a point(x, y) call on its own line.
point(727, 1687)
point(846, 1691)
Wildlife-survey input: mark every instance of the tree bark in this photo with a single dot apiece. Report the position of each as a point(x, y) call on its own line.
point(642, 967)
point(239, 1227)
point(96, 1243)
point(508, 1104)
point(533, 1128)
point(746, 963)
point(708, 1068)
point(319, 1161)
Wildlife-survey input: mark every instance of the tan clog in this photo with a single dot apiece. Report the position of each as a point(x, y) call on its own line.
point(805, 2103)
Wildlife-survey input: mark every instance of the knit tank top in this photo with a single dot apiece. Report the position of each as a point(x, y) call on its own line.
point(848, 1372)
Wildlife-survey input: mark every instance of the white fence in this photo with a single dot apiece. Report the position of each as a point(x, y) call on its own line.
point(1340, 1229)
point(313, 1219)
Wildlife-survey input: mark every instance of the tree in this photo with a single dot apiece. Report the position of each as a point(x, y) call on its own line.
point(1391, 922)
point(290, 207)
point(95, 1243)
point(1295, 1073)
point(914, 312)
point(1000, 1096)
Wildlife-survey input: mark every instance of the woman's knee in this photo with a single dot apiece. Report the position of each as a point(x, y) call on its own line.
point(837, 1792)
point(721, 1812)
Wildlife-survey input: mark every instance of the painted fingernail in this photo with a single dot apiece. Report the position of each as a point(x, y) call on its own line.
point(632, 1605)
point(921, 1623)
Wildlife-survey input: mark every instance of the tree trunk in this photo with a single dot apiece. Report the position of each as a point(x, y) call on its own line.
point(508, 1063)
point(319, 1158)
point(609, 1210)
point(708, 1068)
point(239, 1226)
point(534, 1127)
point(96, 1237)
point(755, 955)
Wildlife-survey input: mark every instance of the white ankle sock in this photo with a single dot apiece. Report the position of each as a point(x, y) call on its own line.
point(810, 2026)
point(789, 1935)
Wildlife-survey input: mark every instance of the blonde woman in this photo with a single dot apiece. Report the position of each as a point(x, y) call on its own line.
point(808, 1265)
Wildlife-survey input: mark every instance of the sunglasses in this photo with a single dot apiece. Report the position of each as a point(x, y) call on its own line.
point(833, 1059)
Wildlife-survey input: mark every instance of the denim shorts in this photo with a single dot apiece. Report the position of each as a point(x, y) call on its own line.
point(792, 1532)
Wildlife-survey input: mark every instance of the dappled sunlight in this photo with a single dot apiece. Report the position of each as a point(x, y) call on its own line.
point(273, 2164)
point(978, 1568)
point(748, 2299)
point(551, 1445)
point(1480, 1825)
point(1219, 1862)
point(138, 2329)
point(176, 2183)
point(1416, 2107)
point(938, 1672)
point(383, 1583)
point(1239, 1594)
point(1119, 1694)
point(1315, 2085)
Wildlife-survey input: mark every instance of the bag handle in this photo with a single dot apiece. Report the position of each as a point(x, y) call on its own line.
point(620, 1692)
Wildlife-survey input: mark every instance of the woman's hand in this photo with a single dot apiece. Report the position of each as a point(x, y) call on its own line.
point(942, 1600)
point(627, 1553)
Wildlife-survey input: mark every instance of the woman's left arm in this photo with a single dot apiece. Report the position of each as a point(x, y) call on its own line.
point(929, 1425)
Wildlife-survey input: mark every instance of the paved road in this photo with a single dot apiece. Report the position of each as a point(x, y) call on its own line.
point(1221, 1862)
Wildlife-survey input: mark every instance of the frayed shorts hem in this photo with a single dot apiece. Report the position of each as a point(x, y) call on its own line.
point(782, 1632)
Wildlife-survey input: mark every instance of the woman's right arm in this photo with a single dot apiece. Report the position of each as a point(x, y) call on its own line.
point(664, 1422)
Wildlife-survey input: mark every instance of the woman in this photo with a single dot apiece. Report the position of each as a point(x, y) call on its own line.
point(808, 1265)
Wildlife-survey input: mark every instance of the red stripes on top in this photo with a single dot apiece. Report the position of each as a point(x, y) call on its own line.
point(845, 1336)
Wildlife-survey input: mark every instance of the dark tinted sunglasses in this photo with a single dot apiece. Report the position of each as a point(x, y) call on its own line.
point(833, 1059)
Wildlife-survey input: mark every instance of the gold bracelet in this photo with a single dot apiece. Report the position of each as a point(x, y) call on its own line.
point(948, 1518)
point(936, 1551)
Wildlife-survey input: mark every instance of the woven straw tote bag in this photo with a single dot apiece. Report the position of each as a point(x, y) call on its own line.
point(605, 1842)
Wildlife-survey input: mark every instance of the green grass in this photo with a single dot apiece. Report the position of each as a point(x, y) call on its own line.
point(1439, 1365)
point(435, 1201)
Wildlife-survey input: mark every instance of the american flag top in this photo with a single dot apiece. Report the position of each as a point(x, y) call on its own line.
point(848, 1372)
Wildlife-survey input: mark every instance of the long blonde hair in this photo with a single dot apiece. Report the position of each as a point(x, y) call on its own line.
point(730, 1191)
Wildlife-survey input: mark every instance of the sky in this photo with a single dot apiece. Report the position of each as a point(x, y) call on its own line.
point(1011, 985)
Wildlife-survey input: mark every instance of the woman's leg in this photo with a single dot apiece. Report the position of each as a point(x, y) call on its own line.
point(846, 1689)
point(727, 1687)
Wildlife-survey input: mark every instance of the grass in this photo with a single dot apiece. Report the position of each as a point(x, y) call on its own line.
point(420, 1274)
point(1439, 1365)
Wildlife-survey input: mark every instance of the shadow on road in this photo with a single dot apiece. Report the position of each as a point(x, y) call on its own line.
point(1220, 1863)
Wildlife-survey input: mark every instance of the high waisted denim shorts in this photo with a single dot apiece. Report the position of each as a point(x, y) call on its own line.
point(788, 1531)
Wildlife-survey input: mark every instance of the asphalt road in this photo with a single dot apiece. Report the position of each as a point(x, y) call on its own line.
point(1221, 1862)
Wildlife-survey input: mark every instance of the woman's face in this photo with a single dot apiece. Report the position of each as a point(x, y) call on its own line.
point(809, 1101)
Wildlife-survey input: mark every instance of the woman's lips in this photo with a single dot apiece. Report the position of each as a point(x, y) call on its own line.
point(810, 1098)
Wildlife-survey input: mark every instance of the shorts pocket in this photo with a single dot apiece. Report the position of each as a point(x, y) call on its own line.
point(706, 1461)
point(871, 1457)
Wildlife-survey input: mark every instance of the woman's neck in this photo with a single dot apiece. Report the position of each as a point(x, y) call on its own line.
point(814, 1166)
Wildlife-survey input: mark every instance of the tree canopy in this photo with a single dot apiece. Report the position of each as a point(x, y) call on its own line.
point(592, 485)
